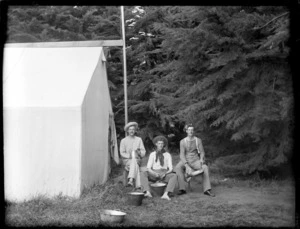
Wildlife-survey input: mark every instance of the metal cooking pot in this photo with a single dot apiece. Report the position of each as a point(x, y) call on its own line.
point(135, 198)
point(112, 216)
point(158, 188)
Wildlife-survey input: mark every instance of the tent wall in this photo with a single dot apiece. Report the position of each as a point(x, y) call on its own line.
point(95, 158)
point(56, 108)
point(42, 152)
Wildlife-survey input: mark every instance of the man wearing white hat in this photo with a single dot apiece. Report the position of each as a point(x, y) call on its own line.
point(132, 150)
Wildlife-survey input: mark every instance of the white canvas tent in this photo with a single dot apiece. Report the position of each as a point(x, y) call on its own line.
point(59, 132)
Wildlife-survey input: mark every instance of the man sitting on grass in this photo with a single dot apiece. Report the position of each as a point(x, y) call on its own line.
point(160, 168)
point(191, 161)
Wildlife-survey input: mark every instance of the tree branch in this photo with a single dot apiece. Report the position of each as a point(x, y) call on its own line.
point(272, 21)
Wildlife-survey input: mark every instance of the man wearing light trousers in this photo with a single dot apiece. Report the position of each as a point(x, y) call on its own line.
point(191, 162)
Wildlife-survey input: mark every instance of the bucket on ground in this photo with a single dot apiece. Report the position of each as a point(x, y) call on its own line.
point(135, 198)
point(158, 189)
point(112, 216)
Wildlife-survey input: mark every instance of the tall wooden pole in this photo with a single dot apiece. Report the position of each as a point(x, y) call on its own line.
point(124, 65)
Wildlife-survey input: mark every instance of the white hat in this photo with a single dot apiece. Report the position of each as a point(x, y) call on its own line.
point(130, 124)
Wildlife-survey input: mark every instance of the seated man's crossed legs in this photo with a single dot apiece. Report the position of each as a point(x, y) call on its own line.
point(180, 171)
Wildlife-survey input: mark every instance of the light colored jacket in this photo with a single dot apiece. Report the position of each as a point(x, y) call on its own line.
point(128, 144)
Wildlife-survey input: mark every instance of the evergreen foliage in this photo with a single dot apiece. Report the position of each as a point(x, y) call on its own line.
point(222, 68)
point(225, 69)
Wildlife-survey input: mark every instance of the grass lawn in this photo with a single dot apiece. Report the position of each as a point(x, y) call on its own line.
point(263, 203)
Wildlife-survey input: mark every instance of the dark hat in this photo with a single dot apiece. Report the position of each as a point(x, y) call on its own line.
point(160, 138)
point(130, 124)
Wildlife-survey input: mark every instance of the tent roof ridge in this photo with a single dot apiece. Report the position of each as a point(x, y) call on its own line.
point(64, 44)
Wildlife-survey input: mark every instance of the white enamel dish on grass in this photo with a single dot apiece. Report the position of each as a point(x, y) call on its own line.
point(112, 216)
